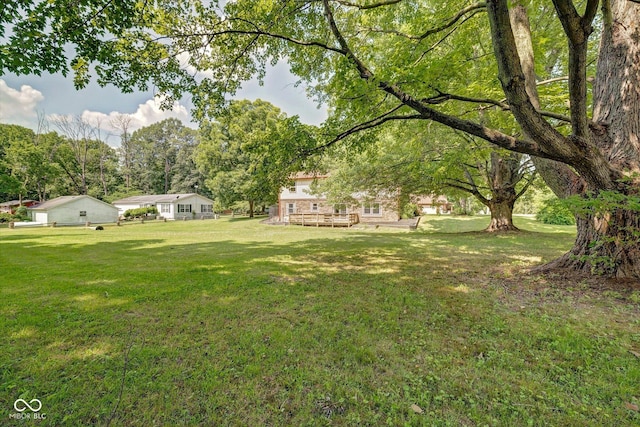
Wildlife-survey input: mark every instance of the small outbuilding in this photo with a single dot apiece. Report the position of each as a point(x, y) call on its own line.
point(170, 206)
point(74, 210)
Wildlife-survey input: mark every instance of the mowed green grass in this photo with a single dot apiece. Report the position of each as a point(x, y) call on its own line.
point(233, 322)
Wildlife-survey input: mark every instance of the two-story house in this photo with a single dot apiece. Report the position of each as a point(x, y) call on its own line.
point(297, 203)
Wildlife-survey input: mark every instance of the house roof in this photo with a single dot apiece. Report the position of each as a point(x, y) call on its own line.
point(304, 175)
point(62, 200)
point(16, 202)
point(430, 200)
point(153, 198)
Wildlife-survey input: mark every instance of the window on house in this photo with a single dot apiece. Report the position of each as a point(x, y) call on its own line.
point(371, 208)
point(292, 186)
point(291, 208)
point(184, 208)
point(314, 207)
point(83, 213)
point(165, 208)
point(340, 208)
point(206, 208)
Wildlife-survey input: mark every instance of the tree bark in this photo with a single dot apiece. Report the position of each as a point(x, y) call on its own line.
point(251, 203)
point(501, 215)
point(503, 174)
point(607, 243)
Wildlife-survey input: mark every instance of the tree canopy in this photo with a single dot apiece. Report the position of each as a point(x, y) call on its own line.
point(249, 152)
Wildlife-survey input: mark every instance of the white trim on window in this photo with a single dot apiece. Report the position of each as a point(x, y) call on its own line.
point(371, 209)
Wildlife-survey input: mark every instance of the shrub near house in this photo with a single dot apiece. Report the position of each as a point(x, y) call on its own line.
point(140, 212)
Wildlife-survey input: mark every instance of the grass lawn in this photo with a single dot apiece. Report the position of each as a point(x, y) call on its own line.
point(233, 322)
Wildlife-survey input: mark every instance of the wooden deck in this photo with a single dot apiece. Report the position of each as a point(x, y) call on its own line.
point(324, 219)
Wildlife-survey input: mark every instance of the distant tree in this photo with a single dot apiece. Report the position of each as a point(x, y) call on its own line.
point(495, 178)
point(10, 186)
point(28, 160)
point(186, 174)
point(247, 153)
point(74, 155)
point(153, 152)
point(121, 123)
point(104, 171)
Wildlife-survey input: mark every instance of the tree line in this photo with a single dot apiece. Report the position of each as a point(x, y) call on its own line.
point(40, 165)
point(243, 156)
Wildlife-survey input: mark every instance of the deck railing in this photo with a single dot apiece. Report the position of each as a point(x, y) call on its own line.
point(324, 219)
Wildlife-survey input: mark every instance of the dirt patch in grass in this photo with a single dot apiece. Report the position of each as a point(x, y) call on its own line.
point(529, 287)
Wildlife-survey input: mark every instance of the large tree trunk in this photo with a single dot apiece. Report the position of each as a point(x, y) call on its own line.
point(610, 242)
point(501, 214)
point(606, 243)
point(503, 174)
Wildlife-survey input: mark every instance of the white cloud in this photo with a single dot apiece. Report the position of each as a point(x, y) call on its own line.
point(146, 114)
point(19, 106)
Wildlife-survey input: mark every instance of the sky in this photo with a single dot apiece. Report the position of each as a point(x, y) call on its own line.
point(24, 98)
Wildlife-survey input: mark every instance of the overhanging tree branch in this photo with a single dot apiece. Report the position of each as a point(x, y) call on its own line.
point(474, 8)
point(577, 29)
point(370, 124)
point(369, 6)
point(425, 112)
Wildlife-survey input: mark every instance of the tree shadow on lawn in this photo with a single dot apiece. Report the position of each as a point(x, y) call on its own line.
point(428, 253)
point(122, 276)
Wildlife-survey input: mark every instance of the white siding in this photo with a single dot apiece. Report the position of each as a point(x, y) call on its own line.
point(41, 217)
point(95, 212)
point(303, 190)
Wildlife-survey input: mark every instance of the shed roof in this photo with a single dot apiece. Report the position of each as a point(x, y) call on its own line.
point(62, 200)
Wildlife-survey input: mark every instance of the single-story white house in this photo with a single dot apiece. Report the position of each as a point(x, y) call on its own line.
point(74, 210)
point(170, 206)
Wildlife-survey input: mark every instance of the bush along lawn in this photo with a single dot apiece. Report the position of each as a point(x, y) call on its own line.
point(233, 322)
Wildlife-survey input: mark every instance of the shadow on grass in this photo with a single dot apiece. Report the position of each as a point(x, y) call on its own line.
point(225, 325)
